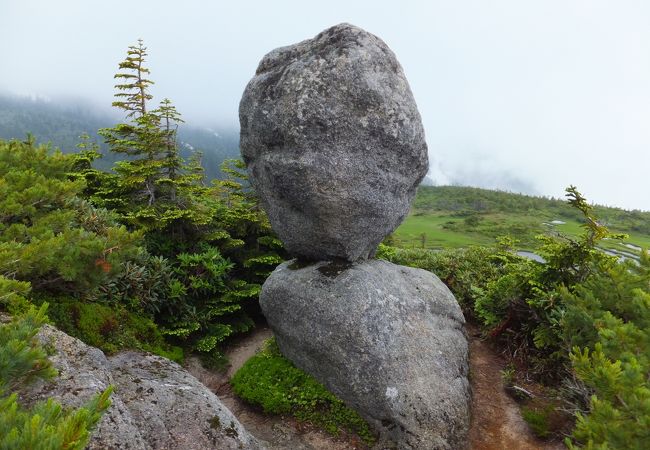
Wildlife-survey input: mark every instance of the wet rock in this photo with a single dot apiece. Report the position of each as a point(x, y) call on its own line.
point(334, 143)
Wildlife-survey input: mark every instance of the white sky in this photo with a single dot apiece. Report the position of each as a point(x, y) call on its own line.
point(521, 95)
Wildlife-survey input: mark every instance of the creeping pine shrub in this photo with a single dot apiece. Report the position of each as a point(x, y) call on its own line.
point(607, 321)
point(47, 425)
point(525, 308)
point(271, 381)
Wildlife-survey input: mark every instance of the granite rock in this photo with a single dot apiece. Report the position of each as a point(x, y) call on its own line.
point(333, 142)
point(156, 404)
point(386, 339)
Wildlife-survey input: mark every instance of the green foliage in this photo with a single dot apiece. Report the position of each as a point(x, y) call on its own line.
point(243, 232)
point(207, 309)
point(454, 216)
point(466, 271)
point(133, 92)
point(468, 202)
point(143, 285)
point(62, 124)
point(270, 380)
point(22, 359)
point(525, 306)
point(582, 311)
point(219, 266)
point(153, 189)
point(538, 420)
point(48, 236)
point(46, 425)
point(607, 321)
point(209, 247)
point(56, 246)
point(13, 295)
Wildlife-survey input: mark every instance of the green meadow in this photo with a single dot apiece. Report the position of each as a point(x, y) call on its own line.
point(454, 217)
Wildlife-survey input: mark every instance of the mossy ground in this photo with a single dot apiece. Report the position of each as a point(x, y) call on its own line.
point(110, 329)
point(273, 382)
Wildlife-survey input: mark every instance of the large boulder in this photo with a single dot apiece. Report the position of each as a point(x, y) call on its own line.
point(333, 142)
point(156, 403)
point(387, 339)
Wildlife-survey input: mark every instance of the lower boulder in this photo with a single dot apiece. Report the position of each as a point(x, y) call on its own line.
point(386, 339)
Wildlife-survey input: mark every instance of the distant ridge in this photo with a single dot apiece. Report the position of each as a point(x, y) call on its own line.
point(61, 123)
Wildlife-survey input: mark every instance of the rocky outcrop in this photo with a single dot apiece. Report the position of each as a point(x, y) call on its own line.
point(386, 339)
point(156, 404)
point(333, 142)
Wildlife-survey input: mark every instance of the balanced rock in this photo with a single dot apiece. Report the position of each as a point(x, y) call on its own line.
point(387, 339)
point(333, 142)
point(156, 403)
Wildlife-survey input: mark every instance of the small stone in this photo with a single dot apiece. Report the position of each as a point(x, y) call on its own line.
point(333, 142)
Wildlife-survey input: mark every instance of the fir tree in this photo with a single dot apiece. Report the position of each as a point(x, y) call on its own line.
point(141, 138)
point(133, 95)
point(172, 164)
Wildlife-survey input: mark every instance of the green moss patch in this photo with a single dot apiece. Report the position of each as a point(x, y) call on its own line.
point(110, 329)
point(273, 382)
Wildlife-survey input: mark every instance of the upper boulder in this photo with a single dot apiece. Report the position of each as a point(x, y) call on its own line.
point(333, 142)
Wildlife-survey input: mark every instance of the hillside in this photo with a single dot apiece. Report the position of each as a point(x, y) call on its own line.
point(454, 216)
point(63, 123)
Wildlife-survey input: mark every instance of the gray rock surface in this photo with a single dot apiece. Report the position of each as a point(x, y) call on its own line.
point(156, 404)
point(386, 339)
point(334, 143)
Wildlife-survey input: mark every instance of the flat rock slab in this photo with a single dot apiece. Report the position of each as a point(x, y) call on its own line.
point(386, 339)
point(156, 404)
point(333, 142)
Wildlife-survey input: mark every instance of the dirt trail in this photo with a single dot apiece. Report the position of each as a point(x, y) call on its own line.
point(496, 421)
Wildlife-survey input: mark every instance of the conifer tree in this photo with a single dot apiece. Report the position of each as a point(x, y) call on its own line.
point(133, 92)
point(172, 163)
point(159, 190)
point(217, 239)
point(141, 138)
point(46, 425)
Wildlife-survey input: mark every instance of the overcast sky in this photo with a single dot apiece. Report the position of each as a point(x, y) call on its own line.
point(519, 95)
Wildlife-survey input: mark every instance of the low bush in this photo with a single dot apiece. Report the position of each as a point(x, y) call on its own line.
point(607, 325)
point(465, 271)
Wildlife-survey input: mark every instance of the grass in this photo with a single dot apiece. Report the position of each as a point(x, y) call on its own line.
point(431, 226)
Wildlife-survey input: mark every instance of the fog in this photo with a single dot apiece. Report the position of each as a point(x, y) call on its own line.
point(516, 95)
